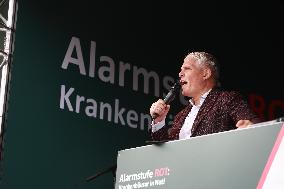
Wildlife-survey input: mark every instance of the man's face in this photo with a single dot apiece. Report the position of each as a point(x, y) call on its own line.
point(191, 77)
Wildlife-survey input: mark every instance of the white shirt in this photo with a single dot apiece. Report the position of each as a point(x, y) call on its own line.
point(185, 131)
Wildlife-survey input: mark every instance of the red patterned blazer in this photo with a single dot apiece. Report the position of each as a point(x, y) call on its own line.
point(220, 111)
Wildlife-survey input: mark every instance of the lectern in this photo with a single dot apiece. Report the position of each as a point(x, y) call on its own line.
point(241, 158)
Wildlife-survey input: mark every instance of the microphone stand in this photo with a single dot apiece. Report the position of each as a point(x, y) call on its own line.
point(109, 169)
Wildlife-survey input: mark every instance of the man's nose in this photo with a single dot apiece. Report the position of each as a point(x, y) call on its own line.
point(180, 74)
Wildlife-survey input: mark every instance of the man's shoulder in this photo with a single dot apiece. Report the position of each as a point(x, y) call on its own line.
point(225, 92)
point(225, 95)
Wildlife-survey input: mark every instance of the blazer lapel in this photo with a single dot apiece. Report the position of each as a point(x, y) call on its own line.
point(179, 121)
point(206, 106)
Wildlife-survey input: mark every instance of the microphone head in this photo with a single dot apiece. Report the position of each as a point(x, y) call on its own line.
point(176, 86)
point(172, 93)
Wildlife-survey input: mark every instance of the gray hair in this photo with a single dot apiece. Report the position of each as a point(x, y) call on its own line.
point(204, 58)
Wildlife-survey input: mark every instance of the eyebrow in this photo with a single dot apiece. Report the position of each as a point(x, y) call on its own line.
point(185, 66)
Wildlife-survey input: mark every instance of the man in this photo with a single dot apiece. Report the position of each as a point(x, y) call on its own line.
point(210, 110)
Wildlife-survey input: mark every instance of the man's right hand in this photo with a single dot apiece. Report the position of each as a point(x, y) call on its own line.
point(159, 110)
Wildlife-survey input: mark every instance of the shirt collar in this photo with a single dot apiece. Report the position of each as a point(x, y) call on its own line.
point(202, 98)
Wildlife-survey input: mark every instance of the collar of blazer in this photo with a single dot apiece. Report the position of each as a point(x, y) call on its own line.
point(206, 106)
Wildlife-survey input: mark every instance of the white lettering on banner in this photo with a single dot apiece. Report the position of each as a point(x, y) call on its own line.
point(107, 70)
point(147, 76)
point(74, 43)
point(143, 179)
point(92, 59)
point(92, 108)
point(122, 68)
point(104, 70)
point(64, 97)
point(136, 176)
point(118, 114)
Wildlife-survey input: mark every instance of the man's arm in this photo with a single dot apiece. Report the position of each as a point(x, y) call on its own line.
point(240, 112)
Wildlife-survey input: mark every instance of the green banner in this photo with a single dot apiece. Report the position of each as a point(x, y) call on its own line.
point(80, 91)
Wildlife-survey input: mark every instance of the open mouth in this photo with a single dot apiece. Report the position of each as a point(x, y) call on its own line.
point(182, 82)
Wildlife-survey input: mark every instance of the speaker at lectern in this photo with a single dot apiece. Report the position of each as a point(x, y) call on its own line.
point(241, 158)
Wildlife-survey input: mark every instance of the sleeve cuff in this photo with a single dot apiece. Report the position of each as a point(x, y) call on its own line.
point(157, 126)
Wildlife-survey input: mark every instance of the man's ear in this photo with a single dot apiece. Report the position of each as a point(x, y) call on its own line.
point(207, 73)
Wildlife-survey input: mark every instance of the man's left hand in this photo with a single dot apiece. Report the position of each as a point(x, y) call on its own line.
point(243, 123)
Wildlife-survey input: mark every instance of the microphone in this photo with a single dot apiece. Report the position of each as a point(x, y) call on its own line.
point(171, 95)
